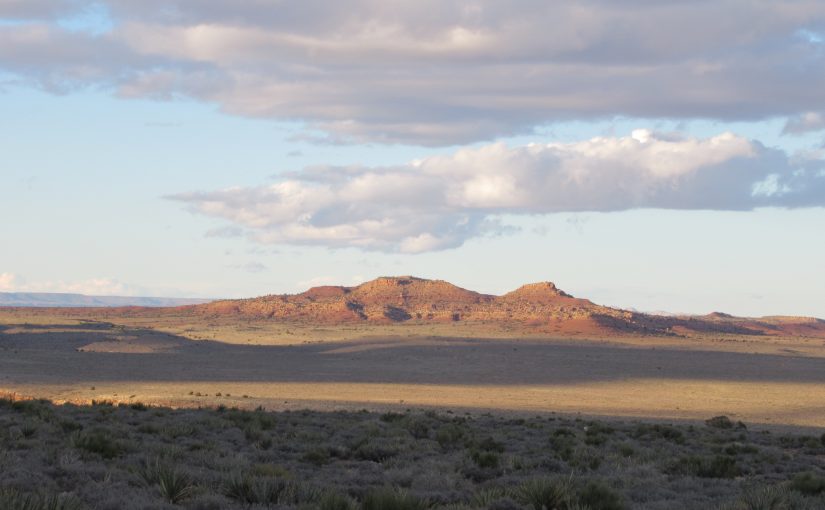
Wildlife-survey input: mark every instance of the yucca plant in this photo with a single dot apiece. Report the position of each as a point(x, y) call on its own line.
point(546, 494)
point(174, 485)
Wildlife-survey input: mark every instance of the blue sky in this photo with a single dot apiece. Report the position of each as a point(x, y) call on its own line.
point(213, 150)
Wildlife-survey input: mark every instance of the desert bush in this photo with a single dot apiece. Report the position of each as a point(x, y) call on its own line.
point(318, 456)
point(375, 451)
point(330, 500)
point(764, 498)
point(12, 499)
point(546, 493)
point(388, 498)
point(486, 497)
point(719, 466)
point(808, 483)
point(450, 436)
point(98, 441)
point(723, 422)
point(488, 444)
point(254, 490)
point(484, 459)
point(597, 496)
point(666, 432)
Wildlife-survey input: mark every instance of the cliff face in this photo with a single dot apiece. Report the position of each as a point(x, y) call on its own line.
point(537, 305)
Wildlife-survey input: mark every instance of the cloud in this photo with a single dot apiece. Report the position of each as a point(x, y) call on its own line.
point(7, 282)
point(805, 123)
point(434, 72)
point(10, 282)
point(250, 267)
point(440, 202)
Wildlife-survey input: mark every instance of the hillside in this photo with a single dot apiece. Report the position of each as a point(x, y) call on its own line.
point(537, 306)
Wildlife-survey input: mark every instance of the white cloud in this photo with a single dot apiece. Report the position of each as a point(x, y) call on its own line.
point(435, 72)
point(7, 282)
point(440, 202)
point(10, 282)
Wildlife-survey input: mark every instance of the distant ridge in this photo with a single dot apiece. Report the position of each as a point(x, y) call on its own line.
point(61, 300)
point(535, 307)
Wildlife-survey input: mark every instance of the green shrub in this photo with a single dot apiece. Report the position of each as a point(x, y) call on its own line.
point(488, 444)
point(335, 501)
point(546, 493)
point(598, 496)
point(450, 436)
point(391, 499)
point(485, 460)
point(251, 491)
point(317, 456)
point(719, 466)
point(486, 497)
point(174, 485)
point(100, 442)
point(12, 499)
point(665, 432)
point(808, 483)
point(765, 498)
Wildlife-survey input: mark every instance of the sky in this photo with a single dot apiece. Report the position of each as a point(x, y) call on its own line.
point(661, 156)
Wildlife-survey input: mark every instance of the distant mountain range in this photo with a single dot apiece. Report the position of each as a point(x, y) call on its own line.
point(59, 300)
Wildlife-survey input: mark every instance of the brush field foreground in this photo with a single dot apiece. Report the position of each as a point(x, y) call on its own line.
point(132, 456)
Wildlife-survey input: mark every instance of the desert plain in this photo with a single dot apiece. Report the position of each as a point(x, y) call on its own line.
point(196, 356)
point(404, 393)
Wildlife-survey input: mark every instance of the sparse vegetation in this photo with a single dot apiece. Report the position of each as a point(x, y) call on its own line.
point(73, 457)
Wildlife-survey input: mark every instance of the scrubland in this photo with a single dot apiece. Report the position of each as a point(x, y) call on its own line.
point(134, 456)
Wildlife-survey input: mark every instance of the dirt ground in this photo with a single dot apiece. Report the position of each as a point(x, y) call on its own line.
point(772, 382)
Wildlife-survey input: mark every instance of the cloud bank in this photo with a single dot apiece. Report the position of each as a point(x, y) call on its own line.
point(440, 202)
point(10, 282)
point(432, 72)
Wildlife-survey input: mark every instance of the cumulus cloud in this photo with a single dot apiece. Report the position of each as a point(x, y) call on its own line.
point(440, 202)
point(434, 72)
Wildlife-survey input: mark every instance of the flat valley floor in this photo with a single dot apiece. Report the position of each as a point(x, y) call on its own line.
point(191, 362)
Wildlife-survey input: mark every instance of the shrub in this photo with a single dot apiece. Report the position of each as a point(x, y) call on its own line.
point(719, 422)
point(665, 432)
point(391, 499)
point(808, 483)
point(100, 442)
point(545, 493)
point(250, 491)
point(317, 456)
point(598, 496)
point(485, 460)
point(450, 436)
point(12, 499)
point(719, 466)
point(173, 484)
point(765, 498)
point(335, 501)
point(486, 497)
point(489, 444)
